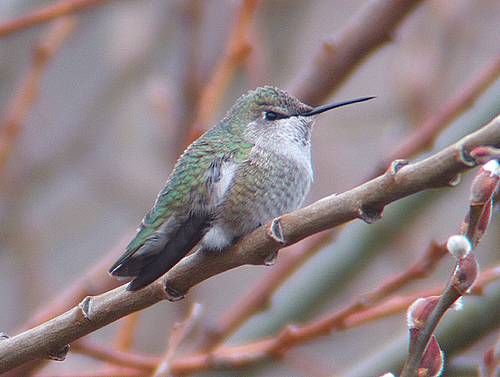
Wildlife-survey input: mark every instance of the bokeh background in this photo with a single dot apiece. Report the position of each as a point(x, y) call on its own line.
point(105, 130)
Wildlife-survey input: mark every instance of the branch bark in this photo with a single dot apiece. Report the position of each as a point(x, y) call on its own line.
point(365, 201)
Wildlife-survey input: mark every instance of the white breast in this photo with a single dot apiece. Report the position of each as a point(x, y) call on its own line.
point(227, 171)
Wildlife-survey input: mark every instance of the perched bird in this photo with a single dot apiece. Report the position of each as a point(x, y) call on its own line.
point(253, 166)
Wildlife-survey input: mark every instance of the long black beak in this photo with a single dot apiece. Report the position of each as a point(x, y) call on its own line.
point(322, 109)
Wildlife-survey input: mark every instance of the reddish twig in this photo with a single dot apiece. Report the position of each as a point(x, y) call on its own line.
point(424, 136)
point(46, 14)
point(340, 55)
point(114, 356)
point(25, 95)
point(237, 49)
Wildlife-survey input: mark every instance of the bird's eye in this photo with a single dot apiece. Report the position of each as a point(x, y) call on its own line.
point(271, 115)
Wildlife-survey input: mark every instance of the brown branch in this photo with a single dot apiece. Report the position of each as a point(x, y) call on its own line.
point(424, 136)
point(236, 51)
point(27, 92)
point(46, 14)
point(340, 55)
point(365, 201)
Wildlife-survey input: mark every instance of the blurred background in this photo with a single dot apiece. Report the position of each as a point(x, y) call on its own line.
point(111, 116)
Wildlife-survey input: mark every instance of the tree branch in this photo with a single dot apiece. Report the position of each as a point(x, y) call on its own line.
point(365, 201)
point(340, 55)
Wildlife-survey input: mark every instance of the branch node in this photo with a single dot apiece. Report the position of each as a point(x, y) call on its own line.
point(463, 155)
point(85, 307)
point(60, 354)
point(3, 336)
point(275, 231)
point(395, 166)
point(455, 181)
point(271, 258)
point(370, 214)
point(172, 294)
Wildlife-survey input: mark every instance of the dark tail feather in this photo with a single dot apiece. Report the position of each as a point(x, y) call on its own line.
point(148, 269)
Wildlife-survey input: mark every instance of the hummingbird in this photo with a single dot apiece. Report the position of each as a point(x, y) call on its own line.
point(251, 167)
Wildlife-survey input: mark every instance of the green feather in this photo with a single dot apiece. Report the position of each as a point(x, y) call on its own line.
point(187, 182)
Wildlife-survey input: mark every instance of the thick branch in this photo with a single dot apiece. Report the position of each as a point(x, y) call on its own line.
point(366, 201)
point(340, 55)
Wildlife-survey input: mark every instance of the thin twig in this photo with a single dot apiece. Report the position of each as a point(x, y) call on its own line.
point(113, 356)
point(366, 200)
point(47, 14)
point(27, 92)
